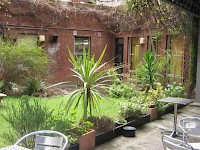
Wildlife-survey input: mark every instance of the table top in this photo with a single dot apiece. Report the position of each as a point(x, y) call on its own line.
point(176, 100)
point(14, 147)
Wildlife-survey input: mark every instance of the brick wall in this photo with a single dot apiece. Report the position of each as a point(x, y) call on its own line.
point(85, 25)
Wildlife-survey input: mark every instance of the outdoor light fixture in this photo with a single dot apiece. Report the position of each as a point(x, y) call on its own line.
point(142, 40)
point(41, 38)
point(75, 33)
point(98, 33)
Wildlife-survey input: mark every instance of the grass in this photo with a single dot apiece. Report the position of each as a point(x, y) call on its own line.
point(107, 108)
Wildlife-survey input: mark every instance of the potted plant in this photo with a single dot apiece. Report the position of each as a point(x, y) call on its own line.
point(155, 108)
point(152, 110)
point(93, 79)
point(86, 136)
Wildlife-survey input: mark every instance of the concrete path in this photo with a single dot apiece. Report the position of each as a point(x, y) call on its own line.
point(148, 137)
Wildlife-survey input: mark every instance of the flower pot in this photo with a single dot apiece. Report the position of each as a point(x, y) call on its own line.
point(153, 113)
point(87, 140)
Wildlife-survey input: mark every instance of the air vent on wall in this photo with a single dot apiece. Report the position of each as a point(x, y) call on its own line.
point(54, 38)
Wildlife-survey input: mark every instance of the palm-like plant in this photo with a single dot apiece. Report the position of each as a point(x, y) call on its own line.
point(93, 78)
point(150, 65)
point(147, 71)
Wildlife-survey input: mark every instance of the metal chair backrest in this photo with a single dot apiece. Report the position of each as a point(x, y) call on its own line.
point(170, 143)
point(188, 125)
point(54, 141)
point(48, 143)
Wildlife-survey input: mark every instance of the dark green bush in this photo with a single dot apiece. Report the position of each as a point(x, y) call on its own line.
point(33, 85)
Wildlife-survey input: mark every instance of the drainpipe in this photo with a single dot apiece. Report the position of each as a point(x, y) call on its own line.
point(197, 96)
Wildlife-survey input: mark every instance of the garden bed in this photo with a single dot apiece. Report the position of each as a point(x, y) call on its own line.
point(117, 131)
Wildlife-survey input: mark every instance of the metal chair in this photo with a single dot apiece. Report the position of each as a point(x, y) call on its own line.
point(170, 143)
point(43, 142)
point(190, 126)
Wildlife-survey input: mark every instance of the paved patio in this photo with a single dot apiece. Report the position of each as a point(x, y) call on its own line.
point(148, 137)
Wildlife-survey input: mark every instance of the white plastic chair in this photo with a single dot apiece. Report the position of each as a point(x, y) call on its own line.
point(170, 143)
point(43, 142)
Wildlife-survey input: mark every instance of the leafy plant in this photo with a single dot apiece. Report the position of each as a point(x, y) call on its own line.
point(174, 90)
point(1, 85)
point(33, 85)
point(83, 128)
point(122, 90)
point(146, 71)
point(93, 80)
point(25, 118)
point(19, 62)
point(132, 108)
point(153, 95)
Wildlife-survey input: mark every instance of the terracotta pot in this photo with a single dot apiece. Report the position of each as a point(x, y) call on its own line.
point(87, 140)
point(153, 113)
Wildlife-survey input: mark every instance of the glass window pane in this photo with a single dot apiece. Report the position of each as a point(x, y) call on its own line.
point(30, 40)
point(81, 43)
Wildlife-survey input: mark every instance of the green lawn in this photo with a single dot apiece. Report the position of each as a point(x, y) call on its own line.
point(108, 108)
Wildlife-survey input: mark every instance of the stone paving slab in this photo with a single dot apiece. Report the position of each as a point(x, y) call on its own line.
point(148, 137)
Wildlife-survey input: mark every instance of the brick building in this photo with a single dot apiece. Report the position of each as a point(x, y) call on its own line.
point(57, 30)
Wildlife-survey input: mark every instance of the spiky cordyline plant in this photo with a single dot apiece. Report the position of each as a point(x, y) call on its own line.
point(93, 78)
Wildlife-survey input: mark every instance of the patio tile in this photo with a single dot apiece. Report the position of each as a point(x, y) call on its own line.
point(148, 137)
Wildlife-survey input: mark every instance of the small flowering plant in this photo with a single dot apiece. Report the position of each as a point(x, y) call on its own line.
point(175, 90)
point(132, 108)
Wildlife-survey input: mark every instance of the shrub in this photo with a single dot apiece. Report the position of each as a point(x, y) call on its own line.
point(174, 90)
point(63, 123)
point(123, 90)
point(132, 108)
point(25, 118)
point(19, 62)
point(31, 116)
point(152, 97)
point(33, 85)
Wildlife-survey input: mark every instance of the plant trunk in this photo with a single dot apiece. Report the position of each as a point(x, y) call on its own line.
point(85, 105)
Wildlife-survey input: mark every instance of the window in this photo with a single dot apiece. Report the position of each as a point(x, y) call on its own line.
point(31, 40)
point(154, 44)
point(175, 70)
point(81, 43)
point(134, 56)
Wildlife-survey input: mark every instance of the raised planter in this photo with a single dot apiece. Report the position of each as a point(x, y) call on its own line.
point(87, 140)
point(139, 121)
point(117, 131)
